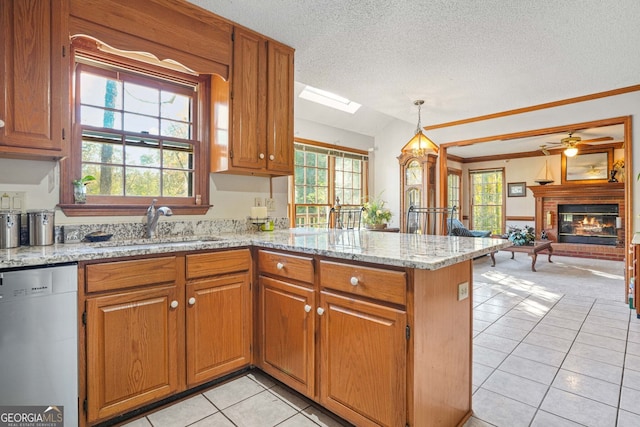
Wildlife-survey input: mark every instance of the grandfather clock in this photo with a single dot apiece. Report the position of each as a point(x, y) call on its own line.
point(417, 182)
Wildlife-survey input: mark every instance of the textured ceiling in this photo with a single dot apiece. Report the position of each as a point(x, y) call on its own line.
point(465, 58)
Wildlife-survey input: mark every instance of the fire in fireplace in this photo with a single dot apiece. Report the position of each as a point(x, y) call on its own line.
point(592, 224)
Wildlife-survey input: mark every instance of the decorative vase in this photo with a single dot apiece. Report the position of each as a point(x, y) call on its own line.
point(80, 193)
point(376, 226)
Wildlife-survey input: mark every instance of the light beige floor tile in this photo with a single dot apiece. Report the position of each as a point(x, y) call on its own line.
point(322, 418)
point(589, 387)
point(540, 354)
point(485, 316)
point(499, 410)
point(545, 419)
point(495, 309)
point(524, 315)
point(561, 323)
point(480, 373)
point(579, 409)
point(601, 341)
point(506, 332)
point(634, 336)
point(515, 387)
point(480, 325)
point(605, 328)
point(555, 331)
point(525, 325)
point(261, 410)
point(475, 422)
point(495, 342)
point(140, 422)
point(529, 369)
point(628, 419)
point(633, 348)
point(263, 379)
point(183, 413)
point(567, 314)
point(487, 356)
point(629, 399)
point(632, 361)
point(597, 353)
point(596, 369)
point(631, 379)
point(290, 397)
point(233, 392)
point(298, 420)
point(215, 420)
point(548, 341)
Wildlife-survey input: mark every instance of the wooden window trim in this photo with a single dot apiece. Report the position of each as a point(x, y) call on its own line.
point(121, 206)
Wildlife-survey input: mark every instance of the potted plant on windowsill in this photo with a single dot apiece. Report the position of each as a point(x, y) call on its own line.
point(375, 215)
point(80, 189)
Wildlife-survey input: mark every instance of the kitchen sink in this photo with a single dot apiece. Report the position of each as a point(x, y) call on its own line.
point(157, 241)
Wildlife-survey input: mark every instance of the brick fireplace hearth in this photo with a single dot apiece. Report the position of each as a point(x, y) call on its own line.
point(548, 197)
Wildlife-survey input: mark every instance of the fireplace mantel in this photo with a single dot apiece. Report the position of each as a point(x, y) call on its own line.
point(548, 197)
point(577, 190)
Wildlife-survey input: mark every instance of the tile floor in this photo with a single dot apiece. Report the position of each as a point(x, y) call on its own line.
point(553, 348)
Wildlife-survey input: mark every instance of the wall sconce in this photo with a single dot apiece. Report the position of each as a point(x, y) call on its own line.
point(549, 219)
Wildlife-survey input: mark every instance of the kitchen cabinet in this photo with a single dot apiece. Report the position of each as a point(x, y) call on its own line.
point(158, 326)
point(378, 346)
point(34, 101)
point(132, 334)
point(363, 344)
point(287, 322)
point(259, 136)
point(218, 314)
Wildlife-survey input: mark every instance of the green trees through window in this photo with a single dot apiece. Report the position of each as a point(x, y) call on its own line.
point(487, 200)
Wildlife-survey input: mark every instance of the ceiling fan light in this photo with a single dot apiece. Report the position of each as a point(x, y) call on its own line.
point(571, 151)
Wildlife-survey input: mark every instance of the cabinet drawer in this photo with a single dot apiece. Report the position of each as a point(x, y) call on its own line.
point(212, 264)
point(129, 274)
point(385, 285)
point(285, 265)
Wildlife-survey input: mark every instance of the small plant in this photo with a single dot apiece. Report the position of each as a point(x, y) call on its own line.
point(521, 236)
point(84, 180)
point(375, 213)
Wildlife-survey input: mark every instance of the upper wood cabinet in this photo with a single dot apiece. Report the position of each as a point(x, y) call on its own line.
point(34, 104)
point(259, 139)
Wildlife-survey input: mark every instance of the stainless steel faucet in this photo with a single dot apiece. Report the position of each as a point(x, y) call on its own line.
point(153, 215)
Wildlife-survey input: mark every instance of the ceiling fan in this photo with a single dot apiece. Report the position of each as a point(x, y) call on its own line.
point(569, 143)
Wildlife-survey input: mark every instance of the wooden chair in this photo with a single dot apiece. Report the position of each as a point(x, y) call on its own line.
point(428, 220)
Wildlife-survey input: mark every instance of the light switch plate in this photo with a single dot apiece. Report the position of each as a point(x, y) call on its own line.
point(270, 204)
point(463, 291)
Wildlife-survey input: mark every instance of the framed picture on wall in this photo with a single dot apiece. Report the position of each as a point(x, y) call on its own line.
point(587, 167)
point(517, 189)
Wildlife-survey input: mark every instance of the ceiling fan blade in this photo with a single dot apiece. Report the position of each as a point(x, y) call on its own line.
point(601, 139)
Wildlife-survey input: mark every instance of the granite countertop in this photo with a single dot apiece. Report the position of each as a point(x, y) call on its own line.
point(396, 249)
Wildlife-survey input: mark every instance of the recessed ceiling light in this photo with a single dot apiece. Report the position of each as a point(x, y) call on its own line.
point(329, 99)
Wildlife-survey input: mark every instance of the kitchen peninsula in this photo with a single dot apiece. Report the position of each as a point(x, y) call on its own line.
point(376, 327)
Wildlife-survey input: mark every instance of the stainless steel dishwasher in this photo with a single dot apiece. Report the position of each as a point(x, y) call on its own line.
point(39, 338)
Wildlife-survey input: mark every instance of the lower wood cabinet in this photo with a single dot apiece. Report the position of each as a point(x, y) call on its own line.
point(157, 326)
point(363, 360)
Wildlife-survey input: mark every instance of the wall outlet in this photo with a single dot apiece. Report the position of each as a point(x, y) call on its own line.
point(270, 204)
point(258, 201)
point(463, 291)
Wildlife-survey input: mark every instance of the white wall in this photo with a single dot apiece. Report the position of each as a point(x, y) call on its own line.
point(389, 142)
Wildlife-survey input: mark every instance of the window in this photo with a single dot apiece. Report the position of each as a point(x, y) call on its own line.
point(136, 131)
point(487, 200)
point(321, 177)
point(454, 190)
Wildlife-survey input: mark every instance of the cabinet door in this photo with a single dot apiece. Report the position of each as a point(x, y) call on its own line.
point(249, 101)
point(132, 349)
point(280, 109)
point(363, 361)
point(218, 326)
point(287, 325)
point(33, 90)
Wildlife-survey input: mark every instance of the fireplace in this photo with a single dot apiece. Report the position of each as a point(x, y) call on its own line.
point(591, 224)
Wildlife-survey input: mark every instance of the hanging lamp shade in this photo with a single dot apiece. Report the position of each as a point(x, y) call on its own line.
point(420, 144)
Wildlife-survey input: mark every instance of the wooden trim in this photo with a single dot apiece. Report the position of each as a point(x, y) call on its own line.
point(538, 132)
point(552, 104)
point(535, 153)
point(331, 146)
point(519, 218)
point(126, 210)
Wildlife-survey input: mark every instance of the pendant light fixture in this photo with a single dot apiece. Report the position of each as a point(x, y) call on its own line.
point(420, 144)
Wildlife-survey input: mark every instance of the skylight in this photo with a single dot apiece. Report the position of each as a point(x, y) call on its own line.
point(329, 99)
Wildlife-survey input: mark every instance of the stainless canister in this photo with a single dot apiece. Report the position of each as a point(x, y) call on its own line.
point(41, 227)
point(10, 222)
